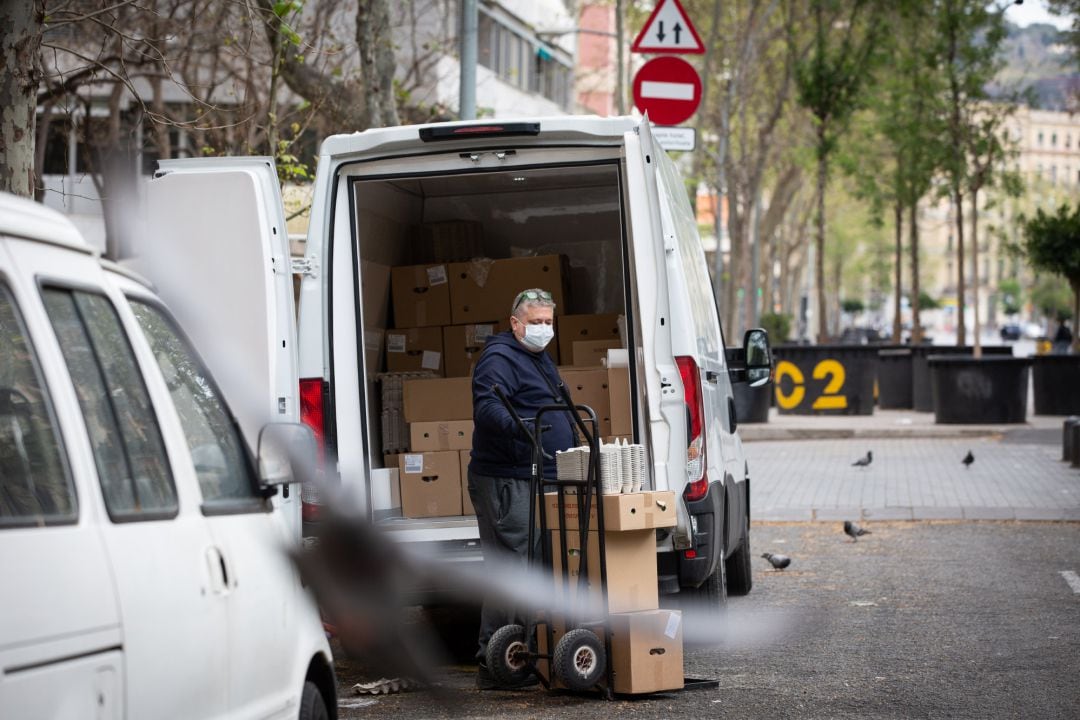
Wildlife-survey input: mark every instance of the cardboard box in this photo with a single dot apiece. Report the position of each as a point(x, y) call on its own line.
point(391, 460)
point(483, 290)
point(445, 435)
point(589, 386)
point(646, 651)
point(593, 353)
point(437, 399)
point(573, 328)
point(622, 418)
point(462, 345)
point(622, 512)
point(631, 567)
point(421, 295)
point(466, 500)
point(415, 349)
point(430, 484)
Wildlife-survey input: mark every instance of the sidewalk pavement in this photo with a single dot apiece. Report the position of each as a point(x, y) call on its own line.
point(801, 469)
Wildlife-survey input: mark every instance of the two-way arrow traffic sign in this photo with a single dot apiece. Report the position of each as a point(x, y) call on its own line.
point(668, 30)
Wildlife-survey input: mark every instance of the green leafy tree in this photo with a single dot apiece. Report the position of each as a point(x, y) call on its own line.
point(1011, 296)
point(1052, 243)
point(778, 325)
point(1051, 297)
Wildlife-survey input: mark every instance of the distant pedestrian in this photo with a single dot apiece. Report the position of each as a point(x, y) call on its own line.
point(1062, 338)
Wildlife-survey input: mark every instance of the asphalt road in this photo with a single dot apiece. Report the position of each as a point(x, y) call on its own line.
point(917, 620)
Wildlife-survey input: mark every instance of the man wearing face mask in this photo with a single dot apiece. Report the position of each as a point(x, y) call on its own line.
point(501, 464)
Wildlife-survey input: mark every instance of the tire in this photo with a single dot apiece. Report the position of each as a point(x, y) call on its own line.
point(504, 659)
point(579, 659)
point(740, 576)
point(312, 705)
point(711, 595)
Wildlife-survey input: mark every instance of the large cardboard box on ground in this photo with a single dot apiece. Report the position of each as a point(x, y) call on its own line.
point(646, 651)
point(421, 295)
point(622, 512)
point(415, 349)
point(483, 290)
point(622, 419)
point(462, 345)
point(466, 499)
point(589, 386)
point(593, 353)
point(437, 399)
point(631, 567)
point(430, 484)
point(444, 435)
point(573, 328)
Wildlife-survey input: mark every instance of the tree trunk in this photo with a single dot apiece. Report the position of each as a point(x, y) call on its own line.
point(975, 268)
point(375, 42)
point(20, 75)
point(916, 289)
point(897, 324)
point(819, 261)
point(961, 323)
point(1076, 315)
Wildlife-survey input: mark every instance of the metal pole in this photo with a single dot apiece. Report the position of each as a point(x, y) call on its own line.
point(755, 262)
point(467, 93)
point(620, 60)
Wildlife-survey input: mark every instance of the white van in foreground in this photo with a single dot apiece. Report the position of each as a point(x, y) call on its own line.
point(598, 192)
point(144, 564)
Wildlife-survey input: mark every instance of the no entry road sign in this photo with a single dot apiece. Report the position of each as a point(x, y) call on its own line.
point(668, 89)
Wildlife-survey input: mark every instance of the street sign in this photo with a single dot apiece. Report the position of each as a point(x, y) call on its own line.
point(668, 89)
point(668, 30)
point(682, 139)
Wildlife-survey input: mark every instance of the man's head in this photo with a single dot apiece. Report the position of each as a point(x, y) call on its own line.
point(534, 309)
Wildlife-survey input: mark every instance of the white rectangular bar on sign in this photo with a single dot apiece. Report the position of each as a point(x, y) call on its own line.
point(667, 90)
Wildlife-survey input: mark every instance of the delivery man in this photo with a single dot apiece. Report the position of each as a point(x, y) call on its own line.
point(501, 465)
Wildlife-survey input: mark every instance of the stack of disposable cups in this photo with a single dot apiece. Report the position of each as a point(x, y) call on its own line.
point(610, 475)
point(568, 464)
point(637, 466)
point(626, 483)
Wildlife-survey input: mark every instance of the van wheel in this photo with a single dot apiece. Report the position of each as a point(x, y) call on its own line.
point(710, 596)
point(579, 659)
point(740, 577)
point(312, 705)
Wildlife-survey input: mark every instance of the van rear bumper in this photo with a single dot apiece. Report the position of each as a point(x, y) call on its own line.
point(708, 545)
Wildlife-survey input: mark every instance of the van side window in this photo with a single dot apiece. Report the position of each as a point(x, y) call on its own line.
point(132, 466)
point(35, 485)
point(212, 436)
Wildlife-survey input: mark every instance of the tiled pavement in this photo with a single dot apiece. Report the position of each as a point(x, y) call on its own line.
point(916, 474)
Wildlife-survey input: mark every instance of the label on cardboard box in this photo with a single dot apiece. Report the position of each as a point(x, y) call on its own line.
point(430, 360)
point(436, 275)
point(672, 628)
point(395, 343)
point(414, 464)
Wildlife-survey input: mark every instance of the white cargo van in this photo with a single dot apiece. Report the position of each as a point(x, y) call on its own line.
point(597, 191)
point(145, 572)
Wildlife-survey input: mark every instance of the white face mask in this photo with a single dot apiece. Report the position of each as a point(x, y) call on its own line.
point(537, 337)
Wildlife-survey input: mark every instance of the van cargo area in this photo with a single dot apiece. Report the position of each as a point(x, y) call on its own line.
point(442, 257)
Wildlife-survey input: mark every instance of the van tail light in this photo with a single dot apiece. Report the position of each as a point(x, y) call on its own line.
point(313, 414)
point(697, 480)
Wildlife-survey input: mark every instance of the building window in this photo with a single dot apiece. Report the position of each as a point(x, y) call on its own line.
point(519, 61)
point(1040, 138)
point(1068, 140)
point(1053, 139)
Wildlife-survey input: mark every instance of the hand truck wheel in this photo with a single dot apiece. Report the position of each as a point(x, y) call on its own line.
point(507, 655)
point(579, 659)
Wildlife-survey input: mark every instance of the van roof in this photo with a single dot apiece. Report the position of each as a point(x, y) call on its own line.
point(24, 218)
point(582, 129)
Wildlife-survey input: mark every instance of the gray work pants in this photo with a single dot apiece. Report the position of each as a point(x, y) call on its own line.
point(502, 515)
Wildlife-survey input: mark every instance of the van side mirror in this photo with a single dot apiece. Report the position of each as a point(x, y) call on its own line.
point(287, 453)
point(758, 357)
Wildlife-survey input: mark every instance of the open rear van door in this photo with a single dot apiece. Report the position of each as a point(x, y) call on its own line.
point(662, 424)
point(216, 247)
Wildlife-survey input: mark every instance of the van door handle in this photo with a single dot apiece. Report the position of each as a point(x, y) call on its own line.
point(731, 413)
point(711, 376)
point(219, 573)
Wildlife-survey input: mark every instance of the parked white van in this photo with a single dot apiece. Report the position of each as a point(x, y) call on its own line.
point(599, 192)
point(145, 572)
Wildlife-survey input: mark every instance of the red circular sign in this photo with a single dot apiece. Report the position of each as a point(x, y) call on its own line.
point(668, 89)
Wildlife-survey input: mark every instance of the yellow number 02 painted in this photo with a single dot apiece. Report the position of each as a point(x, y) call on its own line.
point(830, 398)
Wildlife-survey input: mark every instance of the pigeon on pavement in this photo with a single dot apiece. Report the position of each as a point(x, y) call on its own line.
point(968, 459)
point(777, 561)
point(864, 462)
point(854, 531)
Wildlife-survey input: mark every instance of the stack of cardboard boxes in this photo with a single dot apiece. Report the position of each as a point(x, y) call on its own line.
point(646, 642)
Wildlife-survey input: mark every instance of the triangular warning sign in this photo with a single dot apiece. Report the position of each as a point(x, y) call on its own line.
point(668, 30)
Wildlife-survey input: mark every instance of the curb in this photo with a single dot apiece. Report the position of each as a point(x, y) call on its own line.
point(885, 514)
point(773, 434)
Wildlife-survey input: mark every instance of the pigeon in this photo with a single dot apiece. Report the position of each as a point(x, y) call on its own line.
point(777, 561)
point(968, 459)
point(854, 530)
point(864, 462)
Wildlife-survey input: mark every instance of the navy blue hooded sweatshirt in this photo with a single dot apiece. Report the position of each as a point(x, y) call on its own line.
point(530, 380)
